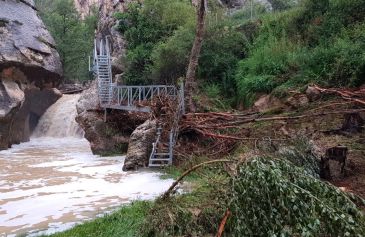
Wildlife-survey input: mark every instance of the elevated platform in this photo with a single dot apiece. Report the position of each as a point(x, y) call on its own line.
point(136, 98)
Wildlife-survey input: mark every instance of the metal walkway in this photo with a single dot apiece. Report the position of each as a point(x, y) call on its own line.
point(136, 98)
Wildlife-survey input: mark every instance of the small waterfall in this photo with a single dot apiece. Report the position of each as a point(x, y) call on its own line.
point(59, 119)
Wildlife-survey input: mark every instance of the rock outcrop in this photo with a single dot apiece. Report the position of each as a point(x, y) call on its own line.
point(90, 118)
point(110, 137)
point(140, 146)
point(107, 26)
point(29, 68)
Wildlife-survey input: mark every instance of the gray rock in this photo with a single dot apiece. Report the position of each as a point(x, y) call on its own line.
point(88, 99)
point(107, 26)
point(25, 40)
point(105, 137)
point(140, 146)
point(34, 106)
point(29, 67)
point(119, 79)
point(11, 96)
point(268, 103)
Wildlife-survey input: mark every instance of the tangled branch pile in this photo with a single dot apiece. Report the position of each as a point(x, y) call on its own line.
point(276, 198)
point(215, 134)
point(357, 96)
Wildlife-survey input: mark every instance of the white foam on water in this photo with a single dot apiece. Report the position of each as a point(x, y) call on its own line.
point(42, 192)
point(54, 181)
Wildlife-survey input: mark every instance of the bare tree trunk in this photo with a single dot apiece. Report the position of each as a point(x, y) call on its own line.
point(190, 84)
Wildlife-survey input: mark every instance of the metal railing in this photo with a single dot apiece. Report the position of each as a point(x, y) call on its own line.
point(132, 97)
point(101, 66)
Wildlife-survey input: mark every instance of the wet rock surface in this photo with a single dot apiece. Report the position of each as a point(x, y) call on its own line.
point(90, 118)
point(106, 137)
point(29, 68)
point(140, 146)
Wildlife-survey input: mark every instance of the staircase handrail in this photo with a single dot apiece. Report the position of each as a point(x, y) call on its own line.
point(154, 145)
point(177, 116)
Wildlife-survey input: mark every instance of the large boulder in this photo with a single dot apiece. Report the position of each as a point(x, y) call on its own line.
point(106, 137)
point(312, 93)
point(26, 43)
point(90, 118)
point(268, 103)
point(29, 68)
point(140, 146)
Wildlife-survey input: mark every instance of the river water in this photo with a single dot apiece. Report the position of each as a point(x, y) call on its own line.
point(54, 181)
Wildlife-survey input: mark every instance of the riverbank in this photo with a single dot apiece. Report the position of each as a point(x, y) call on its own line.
point(127, 221)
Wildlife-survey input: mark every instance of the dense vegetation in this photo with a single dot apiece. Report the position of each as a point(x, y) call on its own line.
point(320, 41)
point(73, 35)
point(296, 44)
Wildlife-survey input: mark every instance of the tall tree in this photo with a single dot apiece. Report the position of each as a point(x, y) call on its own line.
point(190, 84)
point(73, 35)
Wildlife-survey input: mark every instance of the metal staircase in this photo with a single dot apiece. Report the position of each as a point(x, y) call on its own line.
point(131, 98)
point(103, 70)
point(162, 151)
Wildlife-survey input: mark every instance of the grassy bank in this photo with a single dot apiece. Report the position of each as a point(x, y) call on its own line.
point(127, 221)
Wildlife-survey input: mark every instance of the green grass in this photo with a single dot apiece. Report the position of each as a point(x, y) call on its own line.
point(127, 221)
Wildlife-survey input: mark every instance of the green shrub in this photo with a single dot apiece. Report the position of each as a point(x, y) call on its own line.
point(170, 58)
point(266, 68)
point(73, 35)
point(321, 42)
point(222, 48)
point(212, 90)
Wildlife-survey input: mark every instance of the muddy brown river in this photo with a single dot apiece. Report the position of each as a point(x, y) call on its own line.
point(54, 182)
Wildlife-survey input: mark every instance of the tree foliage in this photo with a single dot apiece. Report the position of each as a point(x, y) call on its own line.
point(277, 198)
point(147, 25)
point(73, 35)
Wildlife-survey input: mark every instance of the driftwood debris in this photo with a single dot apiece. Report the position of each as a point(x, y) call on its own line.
point(357, 96)
point(215, 134)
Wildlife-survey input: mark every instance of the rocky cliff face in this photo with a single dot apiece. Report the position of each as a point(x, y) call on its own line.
point(29, 70)
point(106, 25)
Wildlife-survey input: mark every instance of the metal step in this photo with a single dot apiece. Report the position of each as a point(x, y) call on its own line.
point(154, 159)
point(157, 165)
point(162, 154)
